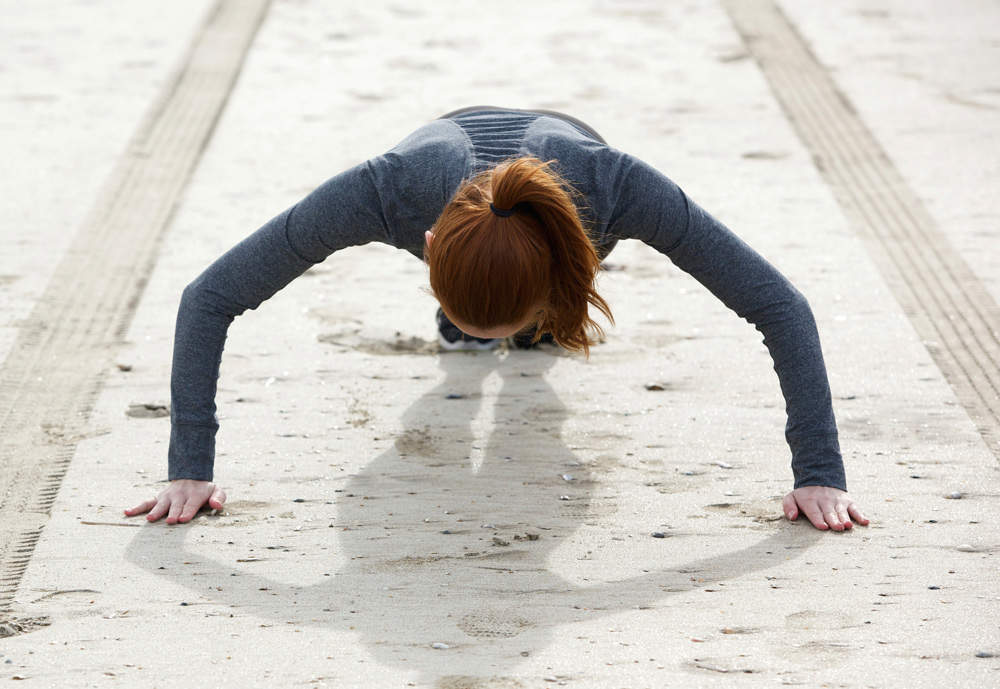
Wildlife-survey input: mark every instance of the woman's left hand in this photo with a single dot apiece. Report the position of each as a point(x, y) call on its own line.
point(826, 507)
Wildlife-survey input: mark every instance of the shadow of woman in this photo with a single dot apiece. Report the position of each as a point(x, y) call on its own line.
point(453, 531)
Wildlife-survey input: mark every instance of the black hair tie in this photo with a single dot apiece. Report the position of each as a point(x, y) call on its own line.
point(501, 212)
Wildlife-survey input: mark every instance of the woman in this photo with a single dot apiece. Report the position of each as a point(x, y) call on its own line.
point(513, 245)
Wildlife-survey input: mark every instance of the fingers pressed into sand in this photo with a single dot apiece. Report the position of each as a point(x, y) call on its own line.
point(825, 506)
point(142, 507)
point(191, 507)
point(160, 509)
point(832, 520)
point(174, 515)
point(815, 515)
point(856, 512)
point(218, 499)
point(181, 500)
point(789, 507)
point(842, 515)
point(803, 500)
point(817, 518)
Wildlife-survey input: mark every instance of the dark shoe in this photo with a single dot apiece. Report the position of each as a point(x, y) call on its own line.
point(523, 340)
point(454, 340)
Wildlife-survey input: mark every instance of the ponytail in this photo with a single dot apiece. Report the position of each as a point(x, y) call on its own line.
point(510, 246)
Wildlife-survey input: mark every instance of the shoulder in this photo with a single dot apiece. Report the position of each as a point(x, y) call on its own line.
point(439, 146)
point(418, 176)
point(594, 169)
point(557, 139)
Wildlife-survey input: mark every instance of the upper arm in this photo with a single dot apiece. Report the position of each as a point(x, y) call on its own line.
point(652, 208)
point(344, 211)
point(418, 178)
point(392, 198)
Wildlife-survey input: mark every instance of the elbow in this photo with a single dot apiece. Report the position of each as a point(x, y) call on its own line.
point(194, 296)
point(189, 295)
point(799, 305)
point(785, 304)
point(797, 302)
point(200, 297)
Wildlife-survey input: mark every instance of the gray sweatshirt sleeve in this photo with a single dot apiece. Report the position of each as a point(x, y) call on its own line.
point(345, 211)
point(391, 199)
point(648, 206)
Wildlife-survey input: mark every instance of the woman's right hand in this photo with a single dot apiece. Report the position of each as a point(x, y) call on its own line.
point(180, 501)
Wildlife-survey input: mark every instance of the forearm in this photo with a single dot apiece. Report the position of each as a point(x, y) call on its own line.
point(199, 338)
point(759, 293)
point(242, 279)
point(653, 209)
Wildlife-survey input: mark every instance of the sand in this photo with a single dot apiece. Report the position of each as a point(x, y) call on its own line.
point(350, 444)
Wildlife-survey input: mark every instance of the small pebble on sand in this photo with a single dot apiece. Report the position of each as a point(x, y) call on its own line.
point(955, 495)
point(440, 646)
point(567, 477)
point(984, 654)
point(659, 534)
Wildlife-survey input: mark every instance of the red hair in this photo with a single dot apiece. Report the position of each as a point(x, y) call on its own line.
point(490, 271)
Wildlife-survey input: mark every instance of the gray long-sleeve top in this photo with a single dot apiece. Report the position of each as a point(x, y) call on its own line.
point(394, 198)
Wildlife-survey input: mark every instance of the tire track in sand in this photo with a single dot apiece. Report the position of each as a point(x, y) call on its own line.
point(55, 370)
point(947, 304)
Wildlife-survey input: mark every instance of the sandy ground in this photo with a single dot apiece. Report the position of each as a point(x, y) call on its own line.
point(349, 445)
